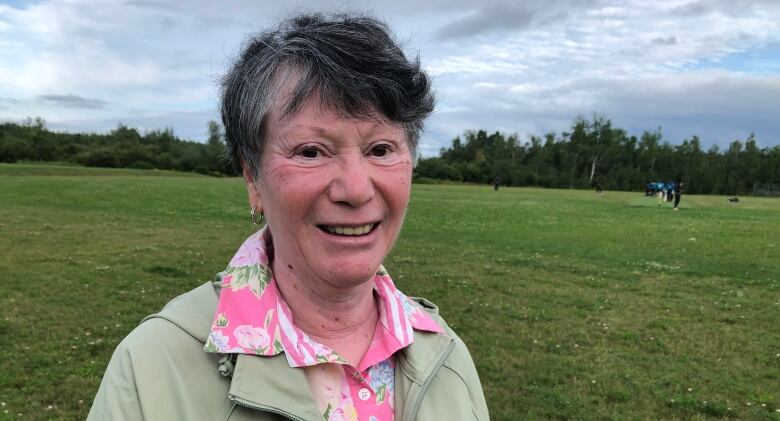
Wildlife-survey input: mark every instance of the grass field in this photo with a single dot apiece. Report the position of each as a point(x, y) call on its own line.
point(574, 306)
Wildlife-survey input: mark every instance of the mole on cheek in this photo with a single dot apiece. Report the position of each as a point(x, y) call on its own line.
point(289, 267)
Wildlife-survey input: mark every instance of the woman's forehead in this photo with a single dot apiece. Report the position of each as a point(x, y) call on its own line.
point(319, 117)
point(329, 123)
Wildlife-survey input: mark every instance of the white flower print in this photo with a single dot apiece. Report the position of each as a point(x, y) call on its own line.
point(254, 338)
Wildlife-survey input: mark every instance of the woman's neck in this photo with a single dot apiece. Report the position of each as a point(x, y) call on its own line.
point(344, 319)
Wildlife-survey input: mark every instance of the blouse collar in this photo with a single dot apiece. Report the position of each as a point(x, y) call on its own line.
point(253, 318)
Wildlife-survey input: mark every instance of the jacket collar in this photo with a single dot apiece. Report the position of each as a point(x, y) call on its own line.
point(269, 384)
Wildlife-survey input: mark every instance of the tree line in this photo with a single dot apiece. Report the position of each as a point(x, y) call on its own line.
point(594, 151)
point(123, 147)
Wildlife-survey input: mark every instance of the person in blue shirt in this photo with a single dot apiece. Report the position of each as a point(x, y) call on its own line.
point(659, 191)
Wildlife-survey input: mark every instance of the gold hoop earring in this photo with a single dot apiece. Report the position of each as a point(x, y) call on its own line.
point(253, 216)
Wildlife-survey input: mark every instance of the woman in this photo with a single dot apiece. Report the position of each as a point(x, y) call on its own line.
point(322, 117)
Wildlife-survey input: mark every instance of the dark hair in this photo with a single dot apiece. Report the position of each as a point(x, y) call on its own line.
point(350, 61)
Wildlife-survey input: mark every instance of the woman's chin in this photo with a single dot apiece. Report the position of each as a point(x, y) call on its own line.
point(350, 277)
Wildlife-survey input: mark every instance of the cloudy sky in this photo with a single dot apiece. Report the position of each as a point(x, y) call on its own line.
point(710, 68)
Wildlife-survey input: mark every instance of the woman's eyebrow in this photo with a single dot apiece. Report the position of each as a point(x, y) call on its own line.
point(316, 129)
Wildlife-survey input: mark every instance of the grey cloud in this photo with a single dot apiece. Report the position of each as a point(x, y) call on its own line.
point(72, 101)
point(718, 108)
point(189, 125)
point(163, 6)
point(9, 104)
point(726, 7)
point(694, 8)
point(555, 17)
point(670, 40)
point(489, 19)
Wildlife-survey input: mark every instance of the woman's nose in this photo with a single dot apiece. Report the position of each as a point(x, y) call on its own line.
point(352, 183)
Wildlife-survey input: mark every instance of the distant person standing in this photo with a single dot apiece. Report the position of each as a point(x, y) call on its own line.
point(496, 183)
point(597, 184)
point(678, 190)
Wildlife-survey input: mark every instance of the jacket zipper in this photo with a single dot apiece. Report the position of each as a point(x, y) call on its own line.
point(424, 387)
point(246, 404)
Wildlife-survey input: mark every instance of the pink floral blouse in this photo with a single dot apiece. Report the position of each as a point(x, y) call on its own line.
point(252, 318)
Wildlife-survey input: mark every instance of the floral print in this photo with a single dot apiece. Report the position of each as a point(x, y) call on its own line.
point(251, 337)
point(252, 318)
point(382, 381)
point(240, 277)
point(216, 341)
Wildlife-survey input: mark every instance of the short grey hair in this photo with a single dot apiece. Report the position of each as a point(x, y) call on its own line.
point(350, 61)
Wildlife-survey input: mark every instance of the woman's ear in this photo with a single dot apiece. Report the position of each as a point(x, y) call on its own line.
point(253, 193)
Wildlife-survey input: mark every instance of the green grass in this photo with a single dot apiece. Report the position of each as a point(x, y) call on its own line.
point(574, 306)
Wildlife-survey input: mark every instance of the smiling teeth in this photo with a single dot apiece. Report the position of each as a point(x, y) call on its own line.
point(365, 229)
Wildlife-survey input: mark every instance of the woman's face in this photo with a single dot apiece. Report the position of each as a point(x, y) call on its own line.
point(334, 191)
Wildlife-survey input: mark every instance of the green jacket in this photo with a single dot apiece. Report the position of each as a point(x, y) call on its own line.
point(160, 372)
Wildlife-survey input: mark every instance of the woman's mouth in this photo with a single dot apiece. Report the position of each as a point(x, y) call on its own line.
point(350, 230)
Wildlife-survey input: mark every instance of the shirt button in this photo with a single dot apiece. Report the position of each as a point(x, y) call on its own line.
point(364, 394)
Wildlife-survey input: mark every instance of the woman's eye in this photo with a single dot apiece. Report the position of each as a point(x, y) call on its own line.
point(380, 150)
point(310, 153)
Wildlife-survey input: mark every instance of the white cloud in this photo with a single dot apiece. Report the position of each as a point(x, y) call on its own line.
point(497, 65)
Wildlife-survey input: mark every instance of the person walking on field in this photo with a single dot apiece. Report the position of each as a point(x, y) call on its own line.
point(597, 185)
point(678, 189)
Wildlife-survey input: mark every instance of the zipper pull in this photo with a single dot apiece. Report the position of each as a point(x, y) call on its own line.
point(226, 365)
